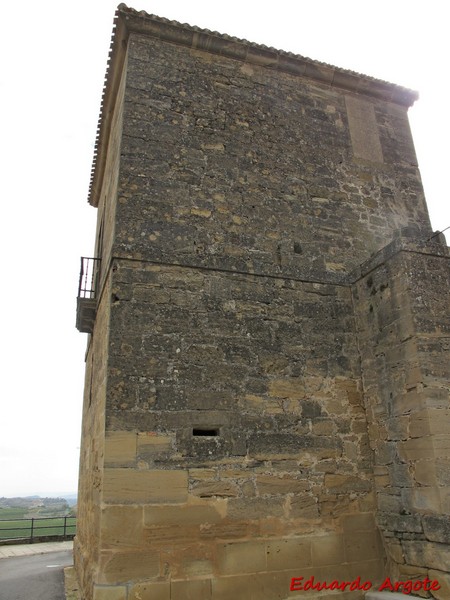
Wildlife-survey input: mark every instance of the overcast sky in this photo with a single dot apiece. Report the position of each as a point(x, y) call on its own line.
point(53, 65)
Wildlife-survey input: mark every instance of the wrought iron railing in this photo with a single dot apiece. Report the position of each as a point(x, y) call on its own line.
point(87, 294)
point(89, 271)
point(37, 528)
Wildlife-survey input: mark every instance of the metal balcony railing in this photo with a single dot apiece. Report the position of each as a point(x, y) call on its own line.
point(88, 277)
point(87, 294)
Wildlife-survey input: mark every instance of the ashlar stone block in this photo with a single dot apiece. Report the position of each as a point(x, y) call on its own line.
point(241, 557)
point(187, 514)
point(150, 591)
point(122, 526)
point(328, 550)
point(425, 472)
point(422, 499)
point(360, 546)
point(122, 486)
point(253, 586)
point(120, 448)
point(434, 421)
point(151, 445)
point(444, 581)
point(120, 567)
point(110, 592)
point(191, 589)
point(421, 553)
point(289, 554)
point(437, 528)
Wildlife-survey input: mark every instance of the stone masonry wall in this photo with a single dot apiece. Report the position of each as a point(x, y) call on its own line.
point(403, 320)
point(106, 217)
point(250, 385)
point(230, 165)
point(284, 487)
point(87, 541)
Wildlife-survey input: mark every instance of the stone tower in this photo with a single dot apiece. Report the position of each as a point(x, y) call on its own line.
point(267, 374)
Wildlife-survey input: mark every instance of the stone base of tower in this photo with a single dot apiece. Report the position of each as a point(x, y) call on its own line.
point(184, 562)
point(263, 481)
point(235, 454)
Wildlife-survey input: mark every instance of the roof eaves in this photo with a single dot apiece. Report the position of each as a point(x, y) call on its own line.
point(128, 20)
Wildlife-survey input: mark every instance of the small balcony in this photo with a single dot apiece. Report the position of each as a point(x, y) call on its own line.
point(87, 294)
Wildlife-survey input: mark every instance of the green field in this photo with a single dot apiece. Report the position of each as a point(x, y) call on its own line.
point(12, 513)
point(15, 528)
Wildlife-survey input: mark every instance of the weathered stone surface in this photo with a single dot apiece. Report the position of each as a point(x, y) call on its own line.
point(272, 486)
point(437, 528)
point(340, 483)
point(191, 590)
point(245, 557)
point(358, 521)
point(222, 489)
point(394, 550)
point(109, 592)
point(363, 129)
point(122, 526)
point(401, 351)
point(444, 581)
point(360, 546)
point(183, 514)
point(240, 235)
point(252, 586)
point(152, 447)
point(328, 550)
point(150, 591)
point(248, 509)
point(269, 362)
point(430, 554)
point(189, 559)
point(401, 523)
point(131, 486)
point(304, 506)
point(288, 554)
point(120, 448)
point(424, 499)
point(120, 567)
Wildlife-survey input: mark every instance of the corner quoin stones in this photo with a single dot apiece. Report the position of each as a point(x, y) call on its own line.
point(267, 374)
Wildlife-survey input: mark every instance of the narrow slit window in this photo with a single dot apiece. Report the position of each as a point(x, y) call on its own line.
point(203, 432)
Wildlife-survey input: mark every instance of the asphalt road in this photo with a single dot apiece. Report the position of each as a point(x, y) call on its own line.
point(36, 577)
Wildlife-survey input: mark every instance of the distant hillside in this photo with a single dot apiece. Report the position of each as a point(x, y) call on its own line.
point(31, 501)
point(33, 506)
point(71, 499)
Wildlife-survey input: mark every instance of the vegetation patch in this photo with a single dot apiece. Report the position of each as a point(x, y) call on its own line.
point(34, 517)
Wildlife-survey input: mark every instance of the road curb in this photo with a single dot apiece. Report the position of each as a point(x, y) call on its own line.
point(71, 584)
point(11, 551)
